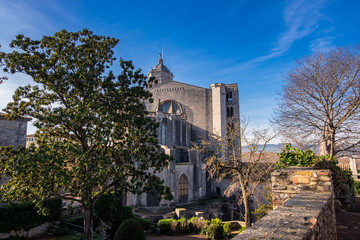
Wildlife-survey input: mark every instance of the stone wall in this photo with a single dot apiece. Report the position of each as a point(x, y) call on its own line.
point(304, 207)
point(31, 233)
point(12, 132)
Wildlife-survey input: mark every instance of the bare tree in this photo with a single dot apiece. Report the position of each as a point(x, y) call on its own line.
point(320, 101)
point(247, 169)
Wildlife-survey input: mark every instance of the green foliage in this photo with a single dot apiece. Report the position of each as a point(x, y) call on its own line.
point(183, 226)
point(104, 207)
point(26, 216)
point(215, 232)
point(79, 221)
point(198, 225)
point(227, 228)
point(295, 157)
point(264, 208)
point(92, 125)
point(357, 187)
point(165, 225)
point(216, 221)
point(339, 175)
point(81, 237)
point(242, 229)
point(126, 213)
point(130, 229)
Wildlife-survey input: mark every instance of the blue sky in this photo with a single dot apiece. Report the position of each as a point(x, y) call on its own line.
point(251, 43)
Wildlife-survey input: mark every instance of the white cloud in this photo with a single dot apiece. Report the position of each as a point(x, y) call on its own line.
point(301, 18)
point(322, 44)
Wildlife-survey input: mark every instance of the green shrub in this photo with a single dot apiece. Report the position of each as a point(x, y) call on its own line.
point(227, 228)
point(198, 225)
point(216, 221)
point(104, 207)
point(62, 230)
point(174, 226)
point(126, 213)
point(164, 225)
point(147, 225)
point(25, 215)
point(297, 157)
point(242, 229)
point(215, 232)
point(79, 221)
point(130, 229)
point(81, 237)
point(357, 187)
point(183, 226)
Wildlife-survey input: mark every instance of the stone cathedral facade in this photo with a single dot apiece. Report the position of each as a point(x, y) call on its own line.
point(187, 113)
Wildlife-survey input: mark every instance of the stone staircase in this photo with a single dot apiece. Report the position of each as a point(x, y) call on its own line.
point(52, 229)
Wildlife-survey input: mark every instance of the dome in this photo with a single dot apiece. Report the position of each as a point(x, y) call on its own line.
point(161, 72)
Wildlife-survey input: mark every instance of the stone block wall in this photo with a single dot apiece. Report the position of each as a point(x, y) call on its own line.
point(297, 180)
point(304, 207)
point(12, 132)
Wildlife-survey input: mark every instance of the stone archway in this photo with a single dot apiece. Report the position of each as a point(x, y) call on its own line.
point(183, 189)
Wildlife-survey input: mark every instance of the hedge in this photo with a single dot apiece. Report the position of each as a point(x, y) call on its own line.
point(25, 216)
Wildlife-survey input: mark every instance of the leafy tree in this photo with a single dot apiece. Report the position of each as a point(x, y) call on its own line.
point(1, 65)
point(93, 134)
point(246, 169)
point(320, 101)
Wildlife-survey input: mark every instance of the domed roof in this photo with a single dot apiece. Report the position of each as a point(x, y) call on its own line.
point(160, 66)
point(161, 72)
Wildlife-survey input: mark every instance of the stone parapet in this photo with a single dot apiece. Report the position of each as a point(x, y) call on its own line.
point(304, 207)
point(307, 216)
point(299, 180)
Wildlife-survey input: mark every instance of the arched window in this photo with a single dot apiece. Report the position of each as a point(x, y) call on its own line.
point(163, 134)
point(170, 106)
point(183, 191)
point(231, 112)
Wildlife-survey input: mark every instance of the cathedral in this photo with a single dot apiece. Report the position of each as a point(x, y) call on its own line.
point(186, 114)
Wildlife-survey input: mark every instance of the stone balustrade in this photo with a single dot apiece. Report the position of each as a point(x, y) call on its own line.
point(303, 201)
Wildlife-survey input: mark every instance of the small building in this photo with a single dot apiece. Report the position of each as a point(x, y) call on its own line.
point(13, 132)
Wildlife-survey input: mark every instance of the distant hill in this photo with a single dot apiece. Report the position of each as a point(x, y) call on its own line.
point(275, 148)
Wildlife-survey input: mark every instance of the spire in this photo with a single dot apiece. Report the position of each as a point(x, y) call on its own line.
point(160, 59)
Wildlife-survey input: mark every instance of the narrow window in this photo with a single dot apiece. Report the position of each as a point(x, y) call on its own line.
point(163, 134)
point(229, 96)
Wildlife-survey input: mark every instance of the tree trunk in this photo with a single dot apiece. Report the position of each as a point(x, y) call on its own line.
point(327, 141)
point(246, 199)
point(88, 223)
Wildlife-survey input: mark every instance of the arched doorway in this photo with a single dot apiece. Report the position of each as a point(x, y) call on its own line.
point(183, 189)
